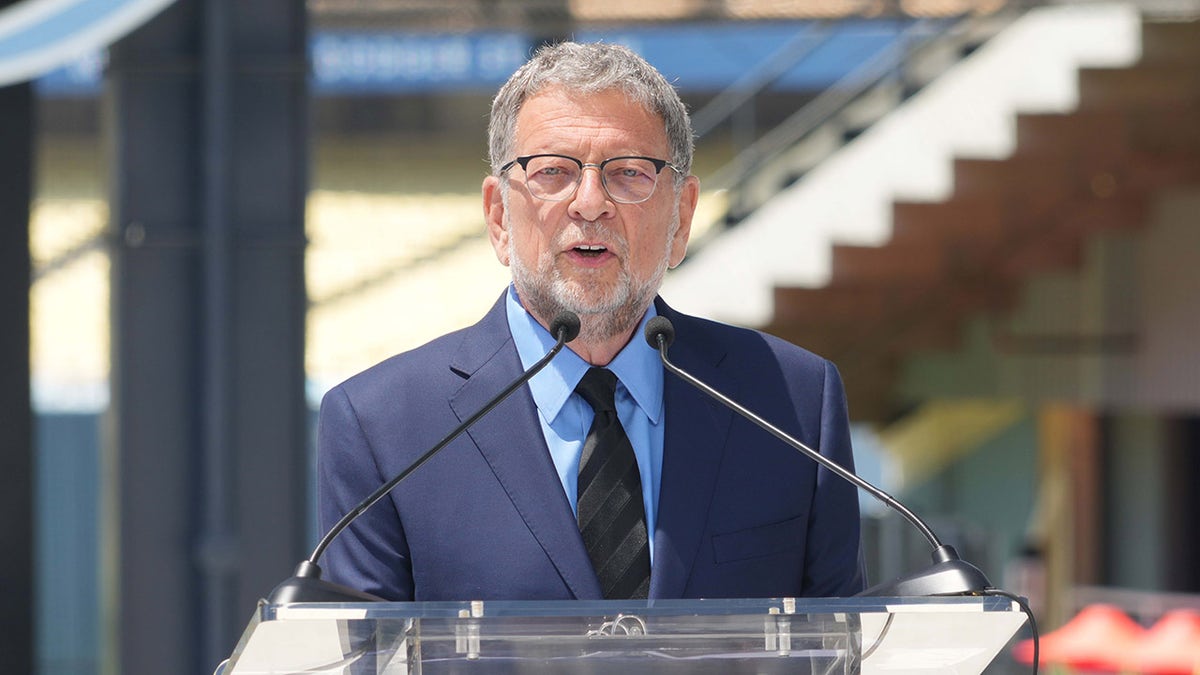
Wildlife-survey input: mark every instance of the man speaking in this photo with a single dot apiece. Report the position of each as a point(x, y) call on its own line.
point(604, 477)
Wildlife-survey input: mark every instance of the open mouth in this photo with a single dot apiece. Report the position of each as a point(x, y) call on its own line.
point(590, 251)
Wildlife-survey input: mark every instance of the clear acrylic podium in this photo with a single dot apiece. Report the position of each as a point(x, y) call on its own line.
point(768, 636)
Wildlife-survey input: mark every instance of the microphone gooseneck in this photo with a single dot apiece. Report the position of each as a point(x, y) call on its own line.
point(949, 575)
point(660, 334)
point(306, 584)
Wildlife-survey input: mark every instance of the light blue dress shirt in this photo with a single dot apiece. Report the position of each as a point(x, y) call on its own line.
point(565, 417)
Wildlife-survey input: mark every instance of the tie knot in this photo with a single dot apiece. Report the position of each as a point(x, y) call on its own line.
point(599, 388)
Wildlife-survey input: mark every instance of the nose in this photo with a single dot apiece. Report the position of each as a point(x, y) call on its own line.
point(591, 201)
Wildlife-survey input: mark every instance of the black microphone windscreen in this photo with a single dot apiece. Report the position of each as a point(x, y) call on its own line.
point(657, 328)
point(567, 323)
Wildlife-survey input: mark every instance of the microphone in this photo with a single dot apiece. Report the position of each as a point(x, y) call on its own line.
point(306, 584)
point(949, 574)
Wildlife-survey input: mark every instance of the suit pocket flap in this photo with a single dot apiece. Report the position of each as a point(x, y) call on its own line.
point(755, 542)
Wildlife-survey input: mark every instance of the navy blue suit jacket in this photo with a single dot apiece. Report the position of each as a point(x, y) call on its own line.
point(740, 514)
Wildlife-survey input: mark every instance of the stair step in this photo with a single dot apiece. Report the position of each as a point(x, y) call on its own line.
point(1051, 177)
point(1139, 86)
point(1166, 128)
point(899, 263)
point(1024, 176)
point(1169, 128)
point(1058, 241)
point(894, 335)
point(842, 305)
point(1056, 133)
point(1170, 42)
point(966, 239)
point(979, 220)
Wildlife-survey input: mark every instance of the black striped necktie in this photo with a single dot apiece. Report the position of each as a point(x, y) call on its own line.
point(612, 518)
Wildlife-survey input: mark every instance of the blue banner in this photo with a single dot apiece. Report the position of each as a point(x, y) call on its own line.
point(357, 63)
point(694, 57)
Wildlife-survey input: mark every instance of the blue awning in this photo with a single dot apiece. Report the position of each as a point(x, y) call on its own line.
point(696, 58)
point(37, 36)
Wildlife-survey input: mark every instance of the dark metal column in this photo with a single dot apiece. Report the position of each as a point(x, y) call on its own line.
point(268, 183)
point(206, 111)
point(16, 417)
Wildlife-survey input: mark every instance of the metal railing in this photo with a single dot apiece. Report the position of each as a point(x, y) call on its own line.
point(759, 170)
point(922, 52)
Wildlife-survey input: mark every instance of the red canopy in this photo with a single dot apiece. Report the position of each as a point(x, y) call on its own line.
point(1098, 639)
point(1170, 647)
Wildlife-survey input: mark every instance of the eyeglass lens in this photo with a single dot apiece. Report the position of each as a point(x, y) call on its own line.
point(628, 180)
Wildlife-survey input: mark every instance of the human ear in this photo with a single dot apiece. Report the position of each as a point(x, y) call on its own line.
point(689, 195)
point(493, 215)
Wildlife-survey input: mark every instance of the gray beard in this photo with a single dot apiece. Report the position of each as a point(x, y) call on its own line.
point(615, 312)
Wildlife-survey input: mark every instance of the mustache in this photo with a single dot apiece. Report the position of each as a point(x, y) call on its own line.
point(591, 230)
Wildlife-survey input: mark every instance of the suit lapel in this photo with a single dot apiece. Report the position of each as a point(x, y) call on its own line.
point(510, 439)
point(694, 445)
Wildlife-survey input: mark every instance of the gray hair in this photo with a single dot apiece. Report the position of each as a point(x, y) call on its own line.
point(587, 69)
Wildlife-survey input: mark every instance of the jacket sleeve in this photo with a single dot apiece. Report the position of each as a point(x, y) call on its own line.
point(372, 554)
point(834, 564)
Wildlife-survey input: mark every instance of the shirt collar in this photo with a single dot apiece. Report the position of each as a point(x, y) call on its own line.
point(637, 366)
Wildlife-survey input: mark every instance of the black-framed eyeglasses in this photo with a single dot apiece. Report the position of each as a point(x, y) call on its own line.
point(627, 179)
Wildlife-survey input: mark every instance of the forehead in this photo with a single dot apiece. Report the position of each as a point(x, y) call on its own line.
point(555, 119)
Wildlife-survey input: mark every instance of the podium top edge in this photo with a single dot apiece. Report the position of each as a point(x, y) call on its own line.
point(700, 607)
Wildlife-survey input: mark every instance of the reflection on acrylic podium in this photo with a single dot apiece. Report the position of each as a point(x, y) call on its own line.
point(767, 636)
